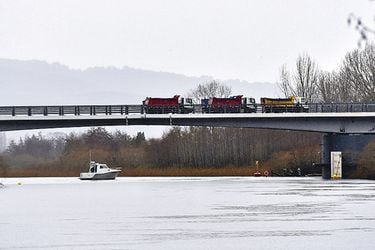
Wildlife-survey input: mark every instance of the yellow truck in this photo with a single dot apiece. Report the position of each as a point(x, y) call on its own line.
point(280, 105)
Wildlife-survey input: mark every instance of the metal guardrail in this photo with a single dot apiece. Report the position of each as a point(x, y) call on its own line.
point(92, 110)
point(341, 107)
point(70, 110)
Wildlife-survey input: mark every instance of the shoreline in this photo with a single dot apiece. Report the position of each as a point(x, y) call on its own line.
point(137, 172)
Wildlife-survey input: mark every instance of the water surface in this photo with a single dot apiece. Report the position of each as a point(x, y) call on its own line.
point(187, 213)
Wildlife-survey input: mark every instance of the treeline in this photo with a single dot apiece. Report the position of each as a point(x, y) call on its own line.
point(179, 148)
point(352, 81)
point(222, 147)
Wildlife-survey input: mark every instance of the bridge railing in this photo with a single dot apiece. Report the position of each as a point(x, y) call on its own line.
point(341, 107)
point(140, 109)
point(70, 110)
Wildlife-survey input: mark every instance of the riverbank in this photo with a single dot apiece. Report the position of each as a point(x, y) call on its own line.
point(135, 172)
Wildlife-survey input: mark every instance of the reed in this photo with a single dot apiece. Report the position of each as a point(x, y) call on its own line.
point(171, 172)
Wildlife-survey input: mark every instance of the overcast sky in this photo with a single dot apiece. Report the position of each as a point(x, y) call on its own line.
point(247, 39)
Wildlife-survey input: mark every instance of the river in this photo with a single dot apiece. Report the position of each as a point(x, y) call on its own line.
point(187, 213)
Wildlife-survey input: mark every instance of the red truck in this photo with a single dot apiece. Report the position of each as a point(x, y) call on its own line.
point(175, 104)
point(233, 104)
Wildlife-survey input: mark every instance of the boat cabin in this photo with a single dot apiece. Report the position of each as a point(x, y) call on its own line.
point(98, 167)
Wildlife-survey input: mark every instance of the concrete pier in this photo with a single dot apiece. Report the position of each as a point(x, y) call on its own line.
point(351, 145)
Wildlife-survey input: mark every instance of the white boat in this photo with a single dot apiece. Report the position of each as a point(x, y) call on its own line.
point(99, 171)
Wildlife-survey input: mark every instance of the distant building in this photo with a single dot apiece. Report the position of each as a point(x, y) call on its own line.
point(3, 142)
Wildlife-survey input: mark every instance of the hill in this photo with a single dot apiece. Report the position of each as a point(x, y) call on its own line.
point(41, 83)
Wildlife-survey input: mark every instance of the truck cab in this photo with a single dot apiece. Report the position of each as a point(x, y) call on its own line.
point(301, 103)
point(248, 105)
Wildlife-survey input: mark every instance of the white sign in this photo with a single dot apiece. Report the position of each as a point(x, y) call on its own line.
point(336, 165)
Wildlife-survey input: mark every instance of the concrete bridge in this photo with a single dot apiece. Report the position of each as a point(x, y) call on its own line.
point(340, 123)
point(346, 126)
point(325, 118)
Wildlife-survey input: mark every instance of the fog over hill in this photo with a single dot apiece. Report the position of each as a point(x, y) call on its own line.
point(40, 83)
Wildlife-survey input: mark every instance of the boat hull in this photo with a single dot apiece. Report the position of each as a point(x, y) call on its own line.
point(99, 176)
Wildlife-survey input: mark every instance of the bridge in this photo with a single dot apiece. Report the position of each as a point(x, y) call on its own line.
point(347, 127)
point(340, 118)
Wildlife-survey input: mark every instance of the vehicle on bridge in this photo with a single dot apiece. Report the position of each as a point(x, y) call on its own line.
point(281, 105)
point(176, 104)
point(233, 104)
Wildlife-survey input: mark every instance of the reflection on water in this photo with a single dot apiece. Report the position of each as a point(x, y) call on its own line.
point(187, 213)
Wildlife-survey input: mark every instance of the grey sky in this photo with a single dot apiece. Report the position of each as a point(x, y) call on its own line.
point(227, 39)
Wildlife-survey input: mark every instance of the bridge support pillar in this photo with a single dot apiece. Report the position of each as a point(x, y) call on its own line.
point(351, 145)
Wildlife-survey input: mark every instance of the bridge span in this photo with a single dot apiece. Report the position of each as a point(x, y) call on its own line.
point(341, 118)
point(341, 123)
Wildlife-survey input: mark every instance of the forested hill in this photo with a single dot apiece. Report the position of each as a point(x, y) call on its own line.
point(39, 83)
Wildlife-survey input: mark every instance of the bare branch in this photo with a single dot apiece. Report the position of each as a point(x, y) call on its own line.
point(211, 89)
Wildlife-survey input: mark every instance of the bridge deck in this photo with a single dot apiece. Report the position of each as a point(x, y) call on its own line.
point(361, 120)
point(139, 109)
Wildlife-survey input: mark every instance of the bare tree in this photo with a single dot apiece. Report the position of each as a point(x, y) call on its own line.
point(329, 87)
point(211, 89)
point(357, 74)
point(306, 77)
point(303, 82)
point(285, 85)
point(325, 86)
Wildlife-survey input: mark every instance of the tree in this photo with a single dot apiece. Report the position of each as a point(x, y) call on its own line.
point(327, 86)
point(36, 146)
point(98, 137)
point(354, 81)
point(121, 139)
point(285, 85)
point(357, 74)
point(139, 138)
point(211, 89)
point(303, 81)
point(332, 88)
